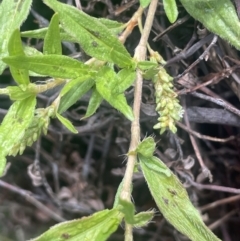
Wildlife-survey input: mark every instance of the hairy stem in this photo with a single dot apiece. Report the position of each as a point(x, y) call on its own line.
point(140, 55)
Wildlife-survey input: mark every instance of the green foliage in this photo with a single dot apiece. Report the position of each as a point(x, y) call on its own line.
point(106, 81)
point(106, 77)
point(66, 123)
point(113, 26)
point(98, 227)
point(93, 36)
point(218, 16)
point(52, 40)
point(74, 91)
point(19, 116)
point(12, 15)
point(57, 66)
point(172, 200)
point(147, 147)
point(138, 220)
point(21, 76)
point(94, 102)
point(171, 197)
point(170, 8)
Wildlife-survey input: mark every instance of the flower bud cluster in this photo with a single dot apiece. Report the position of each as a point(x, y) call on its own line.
point(167, 104)
point(39, 124)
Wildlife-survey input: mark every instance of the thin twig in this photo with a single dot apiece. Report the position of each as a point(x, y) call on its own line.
point(204, 137)
point(177, 23)
point(204, 170)
point(29, 197)
point(78, 4)
point(219, 102)
point(222, 219)
point(210, 187)
point(201, 57)
point(124, 7)
point(87, 159)
point(220, 202)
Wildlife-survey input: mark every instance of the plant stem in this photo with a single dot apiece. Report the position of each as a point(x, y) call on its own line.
point(140, 55)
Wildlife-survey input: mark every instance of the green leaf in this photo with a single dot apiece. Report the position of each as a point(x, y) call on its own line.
point(156, 164)
point(66, 123)
point(41, 33)
point(94, 102)
point(147, 147)
point(138, 220)
point(73, 83)
point(214, 15)
point(144, 3)
point(39, 124)
point(12, 15)
point(173, 201)
point(74, 94)
point(150, 73)
point(97, 227)
point(94, 37)
point(128, 209)
point(105, 81)
point(143, 218)
point(57, 66)
point(170, 8)
point(52, 40)
point(118, 194)
point(126, 77)
point(113, 26)
point(145, 65)
point(17, 93)
point(21, 76)
point(13, 126)
point(30, 51)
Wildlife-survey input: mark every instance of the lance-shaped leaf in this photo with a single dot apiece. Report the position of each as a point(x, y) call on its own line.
point(74, 94)
point(113, 26)
point(52, 40)
point(30, 51)
point(57, 66)
point(93, 36)
point(94, 102)
point(105, 81)
point(66, 123)
point(170, 8)
point(97, 227)
point(41, 33)
point(13, 126)
point(173, 201)
point(12, 15)
point(126, 77)
point(21, 76)
point(214, 15)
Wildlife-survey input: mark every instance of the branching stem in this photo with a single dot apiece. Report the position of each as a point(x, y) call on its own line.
point(140, 55)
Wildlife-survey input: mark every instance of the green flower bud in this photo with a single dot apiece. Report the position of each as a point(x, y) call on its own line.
point(157, 126)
